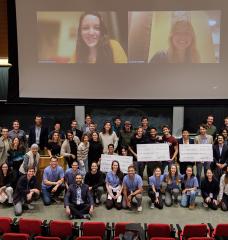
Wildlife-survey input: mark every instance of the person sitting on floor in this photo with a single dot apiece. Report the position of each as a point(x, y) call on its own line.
point(79, 200)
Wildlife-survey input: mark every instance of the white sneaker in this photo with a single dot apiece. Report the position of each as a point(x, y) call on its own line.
point(152, 206)
point(139, 209)
point(205, 205)
point(30, 207)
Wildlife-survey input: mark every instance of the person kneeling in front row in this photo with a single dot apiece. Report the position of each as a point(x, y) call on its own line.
point(132, 188)
point(26, 191)
point(79, 200)
point(189, 187)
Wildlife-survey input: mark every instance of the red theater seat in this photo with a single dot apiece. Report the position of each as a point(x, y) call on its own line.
point(93, 229)
point(30, 226)
point(61, 229)
point(159, 230)
point(162, 238)
point(46, 238)
point(193, 230)
point(88, 238)
point(15, 236)
point(201, 238)
point(5, 225)
point(221, 230)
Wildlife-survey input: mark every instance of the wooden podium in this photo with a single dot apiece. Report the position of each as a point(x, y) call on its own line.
point(45, 162)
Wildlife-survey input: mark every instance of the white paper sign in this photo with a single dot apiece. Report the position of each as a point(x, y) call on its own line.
point(124, 161)
point(196, 152)
point(153, 152)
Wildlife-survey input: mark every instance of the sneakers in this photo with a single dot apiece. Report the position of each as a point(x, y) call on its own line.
point(86, 216)
point(152, 206)
point(139, 209)
point(176, 203)
point(30, 207)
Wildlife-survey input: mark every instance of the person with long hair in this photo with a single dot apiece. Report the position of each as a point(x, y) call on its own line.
point(95, 150)
point(210, 190)
point(171, 185)
point(82, 154)
point(16, 155)
point(54, 145)
point(189, 188)
point(93, 43)
point(108, 136)
point(114, 186)
point(182, 45)
point(223, 192)
point(154, 190)
point(6, 184)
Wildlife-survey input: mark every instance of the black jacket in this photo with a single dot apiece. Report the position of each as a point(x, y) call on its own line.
point(43, 137)
point(217, 158)
point(94, 180)
point(71, 195)
point(23, 188)
point(210, 187)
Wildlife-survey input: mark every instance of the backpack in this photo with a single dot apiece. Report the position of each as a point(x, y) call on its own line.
point(133, 231)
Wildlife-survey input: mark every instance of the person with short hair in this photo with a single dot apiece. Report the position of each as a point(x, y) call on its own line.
point(116, 127)
point(38, 134)
point(57, 129)
point(69, 148)
point(75, 130)
point(126, 134)
point(78, 200)
point(154, 190)
point(95, 180)
point(5, 142)
point(145, 126)
point(210, 190)
point(189, 188)
point(211, 128)
point(111, 149)
point(26, 191)
point(132, 189)
point(114, 186)
point(173, 146)
point(223, 191)
point(85, 127)
point(31, 159)
point(71, 173)
point(17, 132)
point(52, 183)
point(202, 138)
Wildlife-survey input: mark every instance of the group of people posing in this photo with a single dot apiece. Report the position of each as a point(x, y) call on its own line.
point(84, 183)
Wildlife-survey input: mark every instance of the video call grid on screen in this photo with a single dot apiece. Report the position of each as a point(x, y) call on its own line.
point(121, 51)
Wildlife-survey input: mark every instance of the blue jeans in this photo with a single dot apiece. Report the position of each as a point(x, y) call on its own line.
point(187, 200)
point(48, 195)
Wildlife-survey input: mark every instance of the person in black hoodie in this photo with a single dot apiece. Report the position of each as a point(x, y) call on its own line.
point(95, 180)
point(210, 190)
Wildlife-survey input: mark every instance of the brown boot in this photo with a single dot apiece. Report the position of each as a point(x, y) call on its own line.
point(192, 206)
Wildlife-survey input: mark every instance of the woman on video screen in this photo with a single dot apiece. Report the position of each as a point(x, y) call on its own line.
point(182, 45)
point(93, 43)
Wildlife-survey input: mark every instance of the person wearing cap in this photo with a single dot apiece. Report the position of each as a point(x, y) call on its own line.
point(31, 159)
point(126, 134)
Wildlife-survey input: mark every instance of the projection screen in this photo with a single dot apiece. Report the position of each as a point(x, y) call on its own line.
point(158, 49)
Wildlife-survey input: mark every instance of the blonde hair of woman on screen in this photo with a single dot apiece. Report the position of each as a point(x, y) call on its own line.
point(182, 45)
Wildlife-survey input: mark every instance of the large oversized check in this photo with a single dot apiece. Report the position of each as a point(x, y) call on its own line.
point(124, 161)
point(196, 152)
point(153, 152)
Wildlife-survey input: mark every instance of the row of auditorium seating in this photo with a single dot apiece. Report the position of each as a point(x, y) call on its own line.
point(23, 229)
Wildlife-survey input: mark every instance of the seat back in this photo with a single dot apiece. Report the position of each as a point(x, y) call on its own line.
point(195, 230)
point(5, 224)
point(162, 238)
point(15, 236)
point(88, 238)
point(93, 229)
point(30, 226)
point(46, 238)
point(201, 238)
point(61, 228)
point(158, 230)
point(119, 228)
point(221, 230)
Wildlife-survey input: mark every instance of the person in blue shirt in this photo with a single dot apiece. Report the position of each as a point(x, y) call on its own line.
point(71, 173)
point(189, 188)
point(171, 185)
point(52, 184)
point(114, 186)
point(154, 191)
point(78, 200)
point(132, 189)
